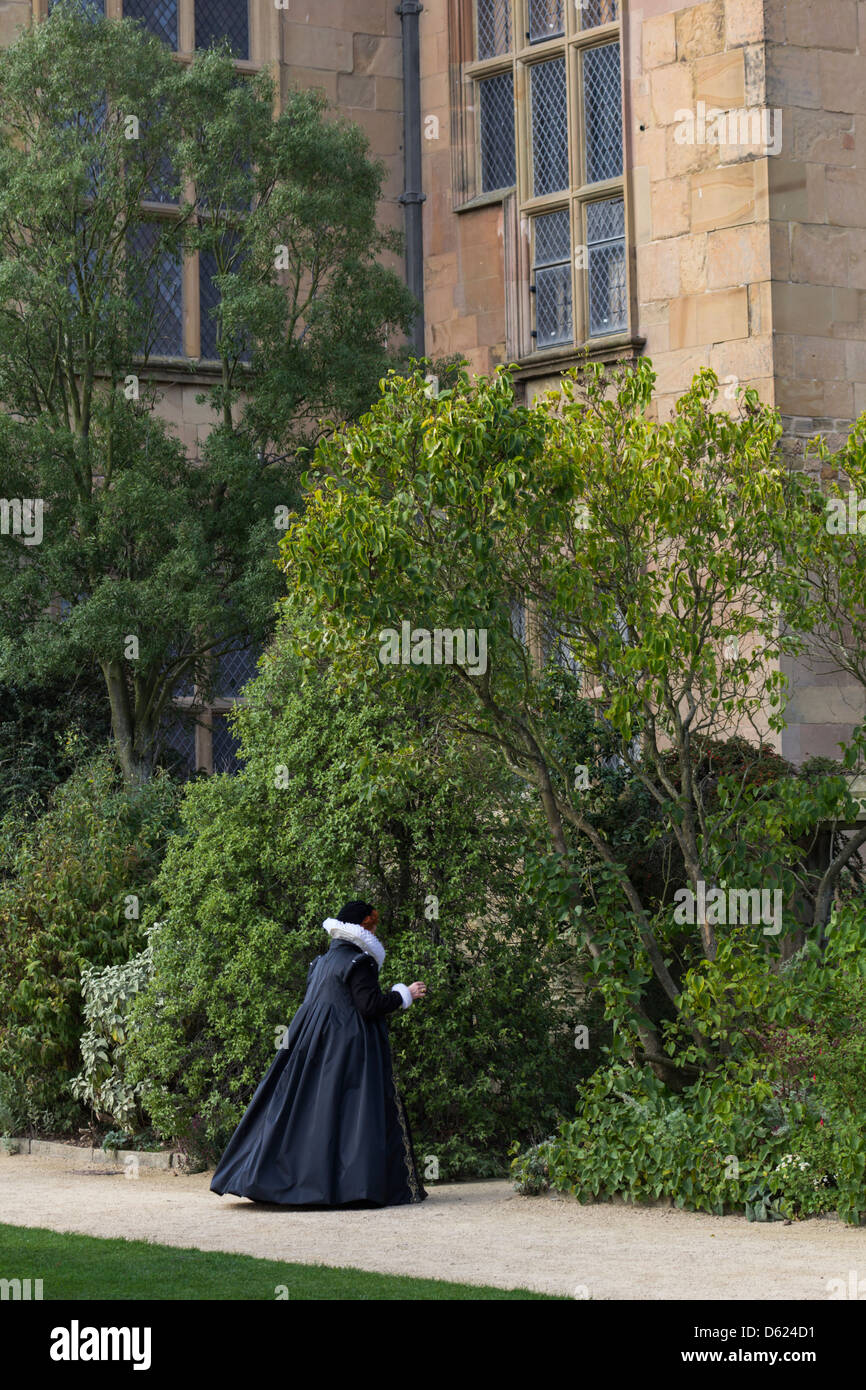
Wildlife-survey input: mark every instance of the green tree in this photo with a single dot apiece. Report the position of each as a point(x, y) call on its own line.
point(136, 559)
point(45, 731)
point(643, 556)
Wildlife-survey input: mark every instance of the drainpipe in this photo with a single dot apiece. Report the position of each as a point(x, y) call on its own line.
point(412, 197)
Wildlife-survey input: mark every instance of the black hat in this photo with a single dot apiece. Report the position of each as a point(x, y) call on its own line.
point(354, 912)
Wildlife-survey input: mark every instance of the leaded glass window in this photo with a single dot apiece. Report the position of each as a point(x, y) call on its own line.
point(548, 124)
point(549, 127)
point(157, 274)
point(234, 669)
point(176, 743)
point(602, 113)
point(219, 19)
point(226, 746)
point(546, 19)
point(605, 239)
point(595, 12)
point(210, 298)
point(159, 17)
point(493, 27)
point(496, 100)
point(94, 9)
point(552, 274)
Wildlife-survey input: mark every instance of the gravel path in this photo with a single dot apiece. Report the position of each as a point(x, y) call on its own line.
point(476, 1233)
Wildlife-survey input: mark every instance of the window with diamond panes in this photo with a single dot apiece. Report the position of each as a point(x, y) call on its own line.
point(605, 240)
point(159, 17)
point(602, 113)
point(549, 127)
point(552, 278)
point(209, 299)
point(493, 28)
point(496, 97)
point(552, 152)
point(592, 13)
point(234, 669)
point(185, 685)
point(87, 125)
point(546, 19)
point(159, 275)
point(219, 19)
point(226, 746)
point(176, 742)
point(162, 185)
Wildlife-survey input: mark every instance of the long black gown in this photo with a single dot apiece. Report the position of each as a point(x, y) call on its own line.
point(326, 1126)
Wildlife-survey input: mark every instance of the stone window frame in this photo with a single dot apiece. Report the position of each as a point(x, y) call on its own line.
point(519, 204)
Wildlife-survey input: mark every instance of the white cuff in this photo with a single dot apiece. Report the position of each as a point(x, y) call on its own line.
point(403, 991)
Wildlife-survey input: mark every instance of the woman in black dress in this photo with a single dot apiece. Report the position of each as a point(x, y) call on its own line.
point(327, 1126)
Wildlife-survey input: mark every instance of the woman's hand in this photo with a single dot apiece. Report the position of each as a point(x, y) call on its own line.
point(418, 989)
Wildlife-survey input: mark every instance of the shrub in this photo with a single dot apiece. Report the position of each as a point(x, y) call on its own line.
point(66, 903)
point(776, 1131)
point(102, 1083)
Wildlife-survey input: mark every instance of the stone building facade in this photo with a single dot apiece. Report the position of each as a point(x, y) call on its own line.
point(611, 177)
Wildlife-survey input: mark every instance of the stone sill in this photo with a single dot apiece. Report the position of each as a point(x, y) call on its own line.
point(484, 200)
point(610, 349)
point(179, 371)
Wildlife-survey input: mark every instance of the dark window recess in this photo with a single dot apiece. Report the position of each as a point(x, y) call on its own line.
point(546, 20)
point(209, 301)
point(162, 185)
point(226, 747)
point(234, 669)
point(219, 19)
point(158, 16)
point(605, 238)
point(176, 744)
point(159, 275)
point(549, 127)
point(602, 113)
point(496, 97)
point(185, 685)
point(552, 274)
point(88, 127)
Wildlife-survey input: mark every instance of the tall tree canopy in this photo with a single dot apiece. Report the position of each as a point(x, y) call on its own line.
point(136, 558)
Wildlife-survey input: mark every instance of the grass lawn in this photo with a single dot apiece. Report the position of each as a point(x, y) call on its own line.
point(86, 1267)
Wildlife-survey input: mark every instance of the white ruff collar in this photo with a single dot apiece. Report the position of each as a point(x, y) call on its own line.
point(359, 936)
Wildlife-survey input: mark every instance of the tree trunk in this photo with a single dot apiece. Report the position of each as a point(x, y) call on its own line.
point(135, 766)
